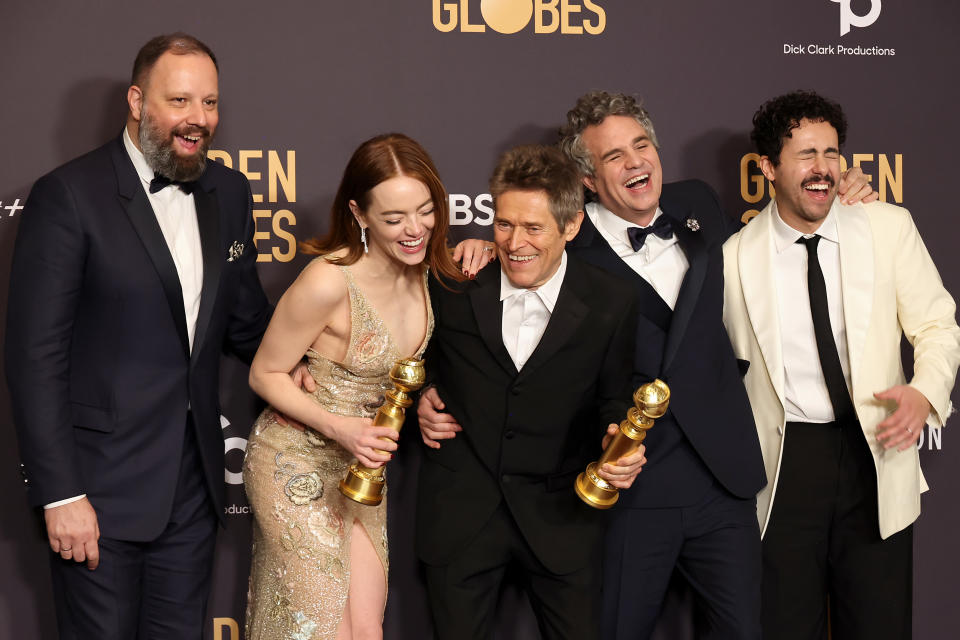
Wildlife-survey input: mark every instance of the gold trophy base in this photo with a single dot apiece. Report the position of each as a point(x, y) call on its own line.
point(594, 490)
point(360, 485)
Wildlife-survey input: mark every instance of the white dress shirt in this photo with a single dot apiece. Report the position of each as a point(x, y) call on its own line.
point(176, 214)
point(661, 262)
point(805, 390)
point(526, 313)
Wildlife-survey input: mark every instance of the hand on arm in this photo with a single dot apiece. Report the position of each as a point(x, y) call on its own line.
point(434, 424)
point(73, 532)
point(903, 427)
point(313, 305)
point(474, 254)
point(854, 188)
point(625, 470)
point(304, 380)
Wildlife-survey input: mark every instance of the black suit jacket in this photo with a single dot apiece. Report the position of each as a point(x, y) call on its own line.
point(708, 434)
point(525, 435)
point(97, 358)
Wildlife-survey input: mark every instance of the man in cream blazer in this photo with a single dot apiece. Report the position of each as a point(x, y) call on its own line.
point(837, 420)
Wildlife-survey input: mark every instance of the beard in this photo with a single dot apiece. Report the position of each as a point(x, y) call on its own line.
point(157, 146)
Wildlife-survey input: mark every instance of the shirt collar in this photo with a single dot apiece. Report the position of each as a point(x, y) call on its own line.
point(547, 292)
point(611, 223)
point(784, 235)
point(137, 158)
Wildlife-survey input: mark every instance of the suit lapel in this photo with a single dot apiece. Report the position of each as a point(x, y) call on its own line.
point(568, 314)
point(590, 246)
point(208, 221)
point(137, 206)
point(692, 244)
point(856, 278)
point(487, 309)
point(755, 260)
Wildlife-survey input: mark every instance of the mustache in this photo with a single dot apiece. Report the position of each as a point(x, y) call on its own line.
point(188, 130)
point(826, 177)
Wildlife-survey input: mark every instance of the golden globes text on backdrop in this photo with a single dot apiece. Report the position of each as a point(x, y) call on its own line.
point(650, 402)
point(363, 484)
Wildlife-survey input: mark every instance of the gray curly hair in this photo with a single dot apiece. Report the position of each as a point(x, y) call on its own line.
point(592, 109)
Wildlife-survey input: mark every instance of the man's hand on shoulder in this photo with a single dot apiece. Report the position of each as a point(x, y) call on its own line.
point(434, 423)
point(622, 474)
point(854, 188)
point(903, 427)
point(73, 532)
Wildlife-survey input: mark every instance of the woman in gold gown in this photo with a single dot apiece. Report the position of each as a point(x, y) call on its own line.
point(319, 566)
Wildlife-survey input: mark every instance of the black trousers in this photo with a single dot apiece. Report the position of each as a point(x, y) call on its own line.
point(153, 590)
point(824, 564)
point(463, 594)
point(714, 544)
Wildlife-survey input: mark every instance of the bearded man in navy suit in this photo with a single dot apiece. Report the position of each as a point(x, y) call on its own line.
point(134, 268)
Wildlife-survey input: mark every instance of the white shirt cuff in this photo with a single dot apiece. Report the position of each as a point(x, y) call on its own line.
point(60, 503)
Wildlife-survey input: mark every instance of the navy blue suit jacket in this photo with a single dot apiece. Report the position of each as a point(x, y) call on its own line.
point(97, 358)
point(708, 434)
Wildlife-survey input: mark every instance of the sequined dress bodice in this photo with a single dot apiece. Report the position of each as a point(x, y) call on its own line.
point(356, 386)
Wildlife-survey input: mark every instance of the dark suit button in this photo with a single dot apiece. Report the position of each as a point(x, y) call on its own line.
point(515, 391)
point(505, 479)
point(509, 434)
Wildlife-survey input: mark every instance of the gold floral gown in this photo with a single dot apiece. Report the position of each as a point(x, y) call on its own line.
point(302, 524)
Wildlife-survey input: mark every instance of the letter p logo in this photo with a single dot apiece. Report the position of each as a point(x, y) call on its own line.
point(848, 18)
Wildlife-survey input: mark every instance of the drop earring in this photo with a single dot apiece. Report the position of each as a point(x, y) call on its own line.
point(363, 239)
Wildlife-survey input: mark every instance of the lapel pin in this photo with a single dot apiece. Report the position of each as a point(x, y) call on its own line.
point(693, 224)
point(235, 251)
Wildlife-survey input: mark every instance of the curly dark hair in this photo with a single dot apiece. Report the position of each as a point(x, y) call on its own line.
point(777, 118)
point(592, 109)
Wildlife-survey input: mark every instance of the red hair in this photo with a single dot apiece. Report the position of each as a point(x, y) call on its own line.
point(376, 160)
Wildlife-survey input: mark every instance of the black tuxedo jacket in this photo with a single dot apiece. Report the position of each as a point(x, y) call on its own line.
point(97, 358)
point(708, 434)
point(526, 435)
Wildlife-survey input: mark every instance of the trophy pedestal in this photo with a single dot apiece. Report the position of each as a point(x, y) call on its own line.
point(362, 486)
point(594, 490)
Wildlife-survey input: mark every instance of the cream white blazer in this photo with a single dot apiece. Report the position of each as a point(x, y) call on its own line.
point(890, 288)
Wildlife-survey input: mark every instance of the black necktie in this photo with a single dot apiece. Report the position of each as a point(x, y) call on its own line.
point(160, 182)
point(826, 346)
point(638, 235)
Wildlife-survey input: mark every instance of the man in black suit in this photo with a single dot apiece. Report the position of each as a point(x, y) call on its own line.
point(134, 268)
point(533, 361)
point(694, 508)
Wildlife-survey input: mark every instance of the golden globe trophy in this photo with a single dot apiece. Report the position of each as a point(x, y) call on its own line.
point(363, 484)
point(650, 402)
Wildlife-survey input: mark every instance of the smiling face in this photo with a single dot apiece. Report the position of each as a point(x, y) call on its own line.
point(399, 219)
point(627, 174)
point(529, 242)
point(807, 176)
point(174, 114)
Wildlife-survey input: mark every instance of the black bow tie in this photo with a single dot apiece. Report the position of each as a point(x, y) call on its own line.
point(662, 228)
point(160, 182)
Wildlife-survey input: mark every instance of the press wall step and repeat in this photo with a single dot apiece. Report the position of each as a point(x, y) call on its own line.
point(303, 82)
